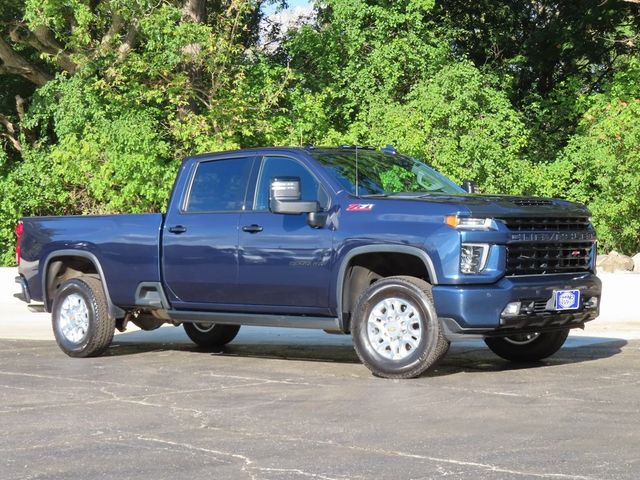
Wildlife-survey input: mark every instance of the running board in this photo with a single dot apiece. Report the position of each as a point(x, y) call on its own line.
point(256, 319)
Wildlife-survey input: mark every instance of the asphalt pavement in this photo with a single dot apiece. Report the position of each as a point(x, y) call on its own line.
point(293, 404)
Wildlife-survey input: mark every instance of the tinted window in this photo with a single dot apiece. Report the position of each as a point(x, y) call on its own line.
point(286, 167)
point(219, 185)
point(380, 173)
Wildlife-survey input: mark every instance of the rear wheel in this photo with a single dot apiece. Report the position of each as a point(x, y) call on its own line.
point(396, 332)
point(80, 318)
point(210, 334)
point(527, 347)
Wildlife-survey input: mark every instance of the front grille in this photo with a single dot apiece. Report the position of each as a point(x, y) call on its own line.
point(532, 202)
point(545, 224)
point(540, 306)
point(540, 258)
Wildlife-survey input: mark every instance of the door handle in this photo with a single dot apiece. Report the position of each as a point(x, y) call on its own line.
point(252, 228)
point(178, 229)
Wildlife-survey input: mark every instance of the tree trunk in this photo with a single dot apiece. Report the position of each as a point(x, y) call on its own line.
point(195, 10)
point(12, 63)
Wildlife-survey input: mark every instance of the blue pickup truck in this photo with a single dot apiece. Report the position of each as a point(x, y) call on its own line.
point(349, 240)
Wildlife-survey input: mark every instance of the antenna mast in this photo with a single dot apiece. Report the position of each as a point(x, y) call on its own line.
point(357, 179)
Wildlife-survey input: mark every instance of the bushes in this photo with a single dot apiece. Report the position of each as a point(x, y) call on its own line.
point(600, 165)
point(29, 189)
point(457, 122)
point(136, 86)
point(604, 160)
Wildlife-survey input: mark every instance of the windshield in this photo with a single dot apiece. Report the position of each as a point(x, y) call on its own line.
point(383, 174)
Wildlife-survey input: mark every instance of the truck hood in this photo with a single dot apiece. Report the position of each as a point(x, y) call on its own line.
point(502, 205)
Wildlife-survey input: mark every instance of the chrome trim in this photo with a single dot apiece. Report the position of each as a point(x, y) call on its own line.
point(486, 249)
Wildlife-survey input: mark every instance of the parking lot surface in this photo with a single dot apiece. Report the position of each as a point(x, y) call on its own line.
point(290, 404)
point(280, 404)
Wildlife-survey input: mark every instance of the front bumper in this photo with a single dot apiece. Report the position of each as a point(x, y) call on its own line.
point(477, 309)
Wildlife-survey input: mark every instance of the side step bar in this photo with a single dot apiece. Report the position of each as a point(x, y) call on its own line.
point(256, 320)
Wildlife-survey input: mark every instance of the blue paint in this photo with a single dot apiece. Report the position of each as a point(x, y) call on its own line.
point(211, 263)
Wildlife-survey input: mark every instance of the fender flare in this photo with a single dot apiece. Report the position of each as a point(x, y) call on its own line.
point(114, 311)
point(378, 248)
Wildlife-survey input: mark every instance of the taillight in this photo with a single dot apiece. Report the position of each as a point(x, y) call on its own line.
point(19, 230)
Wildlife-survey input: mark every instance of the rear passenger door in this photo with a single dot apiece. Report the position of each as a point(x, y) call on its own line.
point(284, 264)
point(200, 238)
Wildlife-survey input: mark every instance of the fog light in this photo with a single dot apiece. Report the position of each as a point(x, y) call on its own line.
point(511, 310)
point(473, 257)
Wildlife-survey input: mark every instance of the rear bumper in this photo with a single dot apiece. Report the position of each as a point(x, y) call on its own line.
point(24, 294)
point(477, 309)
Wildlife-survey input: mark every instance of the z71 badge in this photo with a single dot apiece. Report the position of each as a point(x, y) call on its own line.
point(359, 207)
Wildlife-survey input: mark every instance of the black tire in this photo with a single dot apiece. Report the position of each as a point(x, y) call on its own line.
point(432, 345)
point(210, 335)
point(524, 348)
point(96, 333)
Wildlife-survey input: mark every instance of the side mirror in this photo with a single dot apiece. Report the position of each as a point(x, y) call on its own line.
point(284, 197)
point(469, 186)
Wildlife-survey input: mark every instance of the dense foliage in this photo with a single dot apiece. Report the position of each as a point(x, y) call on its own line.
point(100, 99)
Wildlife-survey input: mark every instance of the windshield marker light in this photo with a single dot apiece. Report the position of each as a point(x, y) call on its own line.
point(467, 223)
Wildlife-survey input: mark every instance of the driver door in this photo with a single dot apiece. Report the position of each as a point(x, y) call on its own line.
point(284, 264)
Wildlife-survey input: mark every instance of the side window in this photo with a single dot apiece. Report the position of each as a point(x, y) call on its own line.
point(286, 167)
point(219, 185)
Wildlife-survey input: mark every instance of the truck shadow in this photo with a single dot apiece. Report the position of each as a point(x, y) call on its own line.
point(467, 356)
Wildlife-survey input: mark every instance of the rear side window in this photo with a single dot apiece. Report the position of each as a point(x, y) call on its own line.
point(219, 185)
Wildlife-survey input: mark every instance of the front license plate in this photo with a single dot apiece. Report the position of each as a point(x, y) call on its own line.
point(567, 299)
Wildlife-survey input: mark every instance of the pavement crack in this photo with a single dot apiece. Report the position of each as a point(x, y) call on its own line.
point(248, 466)
point(297, 471)
point(71, 379)
point(542, 396)
point(482, 466)
point(265, 380)
point(245, 461)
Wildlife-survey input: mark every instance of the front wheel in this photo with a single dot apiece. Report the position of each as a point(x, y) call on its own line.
point(80, 318)
point(396, 332)
point(210, 334)
point(527, 347)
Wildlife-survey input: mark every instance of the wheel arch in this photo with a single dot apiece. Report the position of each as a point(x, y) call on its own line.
point(58, 260)
point(343, 286)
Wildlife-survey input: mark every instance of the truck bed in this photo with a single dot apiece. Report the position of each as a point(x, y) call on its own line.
point(126, 246)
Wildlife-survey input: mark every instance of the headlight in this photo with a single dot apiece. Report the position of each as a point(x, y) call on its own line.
point(473, 257)
point(468, 223)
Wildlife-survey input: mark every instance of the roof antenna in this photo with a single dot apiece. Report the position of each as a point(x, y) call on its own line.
point(357, 179)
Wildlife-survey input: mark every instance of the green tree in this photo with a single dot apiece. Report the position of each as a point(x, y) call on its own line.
point(547, 53)
point(600, 165)
point(457, 122)
point(119, 92)
point(100, 99)
point(383, 72)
